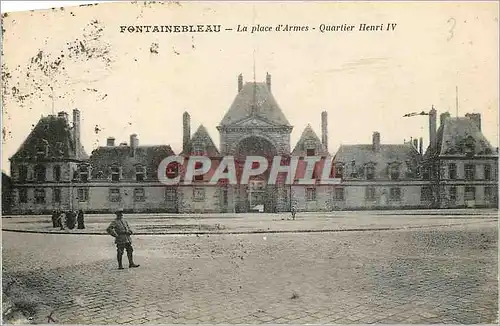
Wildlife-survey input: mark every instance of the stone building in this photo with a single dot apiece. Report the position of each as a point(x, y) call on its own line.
point(52, 171)
point(460, 165)
point(6, 194)
point(378, 176)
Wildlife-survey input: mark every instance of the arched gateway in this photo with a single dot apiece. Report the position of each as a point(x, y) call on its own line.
point(254, 125)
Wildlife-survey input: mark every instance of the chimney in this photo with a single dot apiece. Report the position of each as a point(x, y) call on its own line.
point(415, 143)
point(240, 82)
point(432, 128)
point(134, 142)
point(186, 131)
point(63, 115)
point(476, 117)
point(376, 141)
point(443, 117)
point(324, 129)
point(268, 81)
point(110, 141)
point(76, 127)
point(421, 146)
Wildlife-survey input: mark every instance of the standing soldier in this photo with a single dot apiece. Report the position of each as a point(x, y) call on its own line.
point(120, 230)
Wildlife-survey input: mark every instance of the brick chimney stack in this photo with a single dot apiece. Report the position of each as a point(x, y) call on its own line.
point(476, 117)
point(110, 142)
point(376, 141)
point(240, 82)
point(432, 129)
point(186, 131)
point(76, 129)
point(324, 129)
point(134, 143)
point(268, 81)
point(421, 146)
point(415, 143)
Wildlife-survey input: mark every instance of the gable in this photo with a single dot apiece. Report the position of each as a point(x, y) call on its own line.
point(309, 140)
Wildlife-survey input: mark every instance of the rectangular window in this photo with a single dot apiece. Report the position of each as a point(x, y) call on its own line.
point(487, 172)
point(452, 171)
point(56, 195)
point(426, 193)
point(139, 195)
point(311, 152)
point(453, 194)
point(84, 173)
point(491, 193)
point(339, 171)
point(57, 173)
point(394, 172)
point(39, 196)
point(470, 193)
point(370, 172)
point(170, 194)
point(370, 193)
point(198, 194)
point(23, 173)
point(23, 195)
point(83, 194)
point(470, 172)
point(311, 194)
point(139, 174)
point(338, 194)
point(426, 173)
point(224, 196)
point(115, 195)
point(395, 194)
point(40, 173)
point(115, 174)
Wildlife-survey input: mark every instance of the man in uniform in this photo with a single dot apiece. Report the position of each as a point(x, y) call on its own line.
point(120, 230)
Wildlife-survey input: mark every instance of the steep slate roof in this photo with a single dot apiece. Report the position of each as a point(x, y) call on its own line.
point(201, 140)
point(453, 135)
point(406, 154)
point(264, 101)
point(56, 133)
point(149, 157)
point(308, 135)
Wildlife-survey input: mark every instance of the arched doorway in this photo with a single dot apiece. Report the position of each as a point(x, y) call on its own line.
point(257, 195)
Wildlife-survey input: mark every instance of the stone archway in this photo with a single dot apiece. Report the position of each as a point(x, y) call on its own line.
point(257, 194)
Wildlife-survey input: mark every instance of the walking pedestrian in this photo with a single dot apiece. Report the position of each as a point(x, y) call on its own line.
point(120, 230)
point(294, 211)
point(61, 221)
point(80, 220)
point(55, 215)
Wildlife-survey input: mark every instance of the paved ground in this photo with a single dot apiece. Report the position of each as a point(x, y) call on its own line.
point(430, 274)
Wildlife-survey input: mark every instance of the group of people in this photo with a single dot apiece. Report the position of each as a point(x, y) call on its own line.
point(69, 219)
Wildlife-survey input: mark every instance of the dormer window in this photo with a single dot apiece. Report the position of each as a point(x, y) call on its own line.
point(23, 173)
point(83, 173)
point(469, 146)
point(354, 172)
point(198, 148)
point(115, 173)
point(40, 173)
point(59, 151)
point(140, 173)
point(370, 172)
point(41, 150)
point(394, 172)
point(339, 171)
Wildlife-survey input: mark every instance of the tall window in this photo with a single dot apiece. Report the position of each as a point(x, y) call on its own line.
point(338, 194)
point(139, 194)
point(394, 172)
point(224, 196)
point(57, 173)
point(40, 173)
point(311, 152)
point(84, 173)
point(370, 193)
point(83, 194)
point(453, 194)
point(470, 172)
point(56, 195)
point(426, 173)
point(426, 193)
point(23, 195)
point(139, 173)
point(114, 195)
point(311, 194)
point(470, 193)
point(452, 171)
point(198, 194)
point(23, 173)
point(39, 196)
point(115, 173)
point(395, 194)
point(370, 172)
point(170, 194)
point(487, 172)
point(41, 151)
point(491, 193)
point(339, 171)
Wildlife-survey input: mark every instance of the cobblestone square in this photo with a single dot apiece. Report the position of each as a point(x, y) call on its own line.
point(434, 273)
